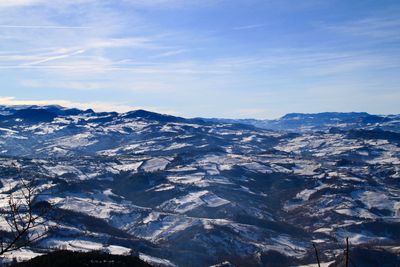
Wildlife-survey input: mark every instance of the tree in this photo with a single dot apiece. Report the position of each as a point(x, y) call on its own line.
point(316, 254)
point(26, 217)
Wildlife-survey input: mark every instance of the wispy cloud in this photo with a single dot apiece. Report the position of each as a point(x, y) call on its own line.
point(142, 3)
point(171, 53)
point(57, 27)
point(96, 66)
point(52, 58)
point(248, 27)
point(124, 86)
point(312, 62)
point(16, 3)
point(142, 42)
point(95, 60)
point(378, 28)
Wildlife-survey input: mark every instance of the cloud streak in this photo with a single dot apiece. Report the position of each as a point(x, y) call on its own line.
point(248, 27)
point(376, 28)
point(54, 58)
point(56, 27)
point(18, 3)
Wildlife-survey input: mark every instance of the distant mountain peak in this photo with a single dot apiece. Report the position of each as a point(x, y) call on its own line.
point(325, 115)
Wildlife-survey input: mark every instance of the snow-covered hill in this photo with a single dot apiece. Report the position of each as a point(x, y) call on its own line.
point(194, 192)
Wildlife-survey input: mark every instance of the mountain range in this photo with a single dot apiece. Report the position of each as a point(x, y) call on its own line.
point(301, 122)
point(204, 192)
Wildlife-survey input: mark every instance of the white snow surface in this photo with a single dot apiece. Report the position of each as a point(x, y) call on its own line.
point(155, 164)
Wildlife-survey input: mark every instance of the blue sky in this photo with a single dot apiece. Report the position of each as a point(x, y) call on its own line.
point(220, 58)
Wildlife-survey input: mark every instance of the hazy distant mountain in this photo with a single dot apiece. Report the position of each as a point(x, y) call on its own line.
point(198, 192)
point(300, 122)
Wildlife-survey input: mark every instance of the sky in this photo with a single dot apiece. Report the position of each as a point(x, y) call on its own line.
point(202, 58)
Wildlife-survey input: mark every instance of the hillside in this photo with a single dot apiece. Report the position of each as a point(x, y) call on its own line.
point(194, 192)
point(79, 259)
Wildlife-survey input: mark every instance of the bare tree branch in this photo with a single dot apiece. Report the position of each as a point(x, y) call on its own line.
point(22, 219)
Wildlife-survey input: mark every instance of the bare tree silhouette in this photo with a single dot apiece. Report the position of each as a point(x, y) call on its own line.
point(26, 218)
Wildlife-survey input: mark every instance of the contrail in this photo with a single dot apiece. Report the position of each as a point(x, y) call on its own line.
point(43, 27)
point(44, 60)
